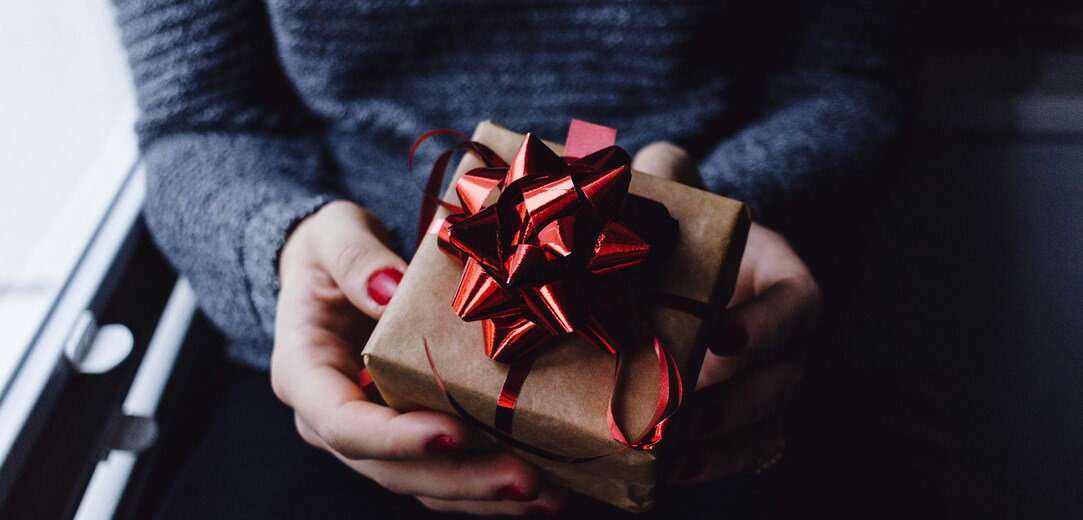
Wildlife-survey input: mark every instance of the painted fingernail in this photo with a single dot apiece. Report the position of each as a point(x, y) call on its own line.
point(734, 339)
point(708, 421)
point(382, 284)
point(443, 445)
point(513, 492)
point(538, 509)
point(693, 467)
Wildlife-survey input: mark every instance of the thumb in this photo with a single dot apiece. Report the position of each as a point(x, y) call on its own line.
point(350, 247)
point(669, 161)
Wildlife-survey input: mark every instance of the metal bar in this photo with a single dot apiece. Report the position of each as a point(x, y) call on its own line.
point(111, 475)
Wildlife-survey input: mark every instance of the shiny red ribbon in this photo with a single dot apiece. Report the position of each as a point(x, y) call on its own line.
point(550, 246)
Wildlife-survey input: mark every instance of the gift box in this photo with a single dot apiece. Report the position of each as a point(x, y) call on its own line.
point(424, 355)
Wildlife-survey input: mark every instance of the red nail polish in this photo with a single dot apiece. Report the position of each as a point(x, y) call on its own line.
point(382, 284)
point(538, 509)
point(693, 467)
point(443, 445)
point(512, 492)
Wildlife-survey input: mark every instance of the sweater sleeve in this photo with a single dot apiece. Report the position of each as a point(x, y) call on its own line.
point(232, 160)
point(826, 110)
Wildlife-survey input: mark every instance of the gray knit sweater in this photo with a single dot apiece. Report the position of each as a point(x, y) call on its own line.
point(254, 113)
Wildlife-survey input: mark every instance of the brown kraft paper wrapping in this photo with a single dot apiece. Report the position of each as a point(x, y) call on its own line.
point(562, 406)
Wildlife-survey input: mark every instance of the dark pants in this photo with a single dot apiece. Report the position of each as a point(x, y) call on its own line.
point(845, 459)
point(868, 438)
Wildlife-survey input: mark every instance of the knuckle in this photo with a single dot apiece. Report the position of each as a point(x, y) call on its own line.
point(393, 443)
point(510, 470)
point(334, 436)
point(770, 236)
point(394, 448)
point(803, 289)
point(277, 388)
point(305, 433)
point(354, 259)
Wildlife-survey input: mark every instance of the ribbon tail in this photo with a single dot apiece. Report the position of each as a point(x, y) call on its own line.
point(431, 190)
point(484, 153)
point(509, 394)
point(500, 435)
point(431, 194)
point(670, 395)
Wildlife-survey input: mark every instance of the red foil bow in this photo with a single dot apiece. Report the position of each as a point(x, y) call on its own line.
point(548, 245)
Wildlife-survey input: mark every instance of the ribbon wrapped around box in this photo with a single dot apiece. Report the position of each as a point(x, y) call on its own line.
point(556, 312)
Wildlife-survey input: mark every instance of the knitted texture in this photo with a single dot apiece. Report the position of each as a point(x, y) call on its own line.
point(256, 113)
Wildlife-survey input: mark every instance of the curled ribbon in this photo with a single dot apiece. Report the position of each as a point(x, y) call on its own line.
point(550, 246)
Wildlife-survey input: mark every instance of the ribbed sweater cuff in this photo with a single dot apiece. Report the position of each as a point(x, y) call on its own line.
point(722, 176)
point(264, 237)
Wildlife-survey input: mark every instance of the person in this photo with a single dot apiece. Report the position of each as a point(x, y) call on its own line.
point(274, 136)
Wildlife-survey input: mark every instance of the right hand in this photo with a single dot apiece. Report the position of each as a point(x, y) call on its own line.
point(336, 273)
point(753, 371)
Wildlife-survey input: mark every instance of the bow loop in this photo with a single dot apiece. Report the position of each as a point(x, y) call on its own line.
point(475, 187)
point(533, 159)
point(537, 233)
point(605, 190)
point(542, 239)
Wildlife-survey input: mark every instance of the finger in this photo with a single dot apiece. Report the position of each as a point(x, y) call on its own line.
point(784, 298)
point(317, 387)
point(761, 391)
point(356, 257)
point(549, 502)
point(717, 369)
point(359, 429)
point(770, 319)
point(667, 160)
point(710, 459)
point(490, 477)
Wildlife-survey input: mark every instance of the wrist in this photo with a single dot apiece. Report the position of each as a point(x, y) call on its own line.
point(298, 241)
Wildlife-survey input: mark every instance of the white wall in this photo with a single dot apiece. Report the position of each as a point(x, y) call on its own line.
point(66, 116)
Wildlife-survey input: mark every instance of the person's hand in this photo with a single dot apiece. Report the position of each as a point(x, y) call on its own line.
point(752, 370)
point(336, 277)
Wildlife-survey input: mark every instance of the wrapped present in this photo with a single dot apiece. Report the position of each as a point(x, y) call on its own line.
point(562, 305)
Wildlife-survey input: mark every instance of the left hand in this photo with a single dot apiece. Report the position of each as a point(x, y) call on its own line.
point(752, 370)
point(337, 275)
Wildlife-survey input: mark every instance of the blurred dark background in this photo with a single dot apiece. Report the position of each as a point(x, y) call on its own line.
point(962, 341)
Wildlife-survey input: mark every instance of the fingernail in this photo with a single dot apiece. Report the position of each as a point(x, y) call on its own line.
point(734, 340)
point(708, 421)
point(382, 284)
point(538, 509)
point(693, 467)
point(513, 492)
point(443, 445)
